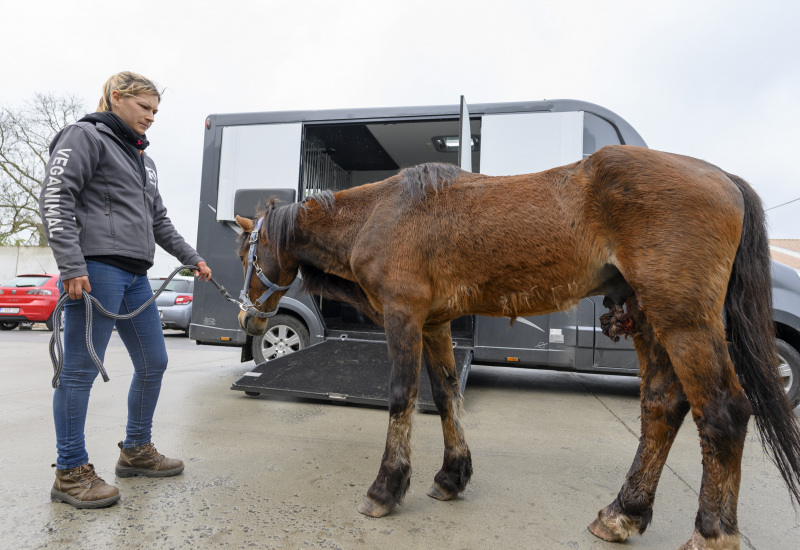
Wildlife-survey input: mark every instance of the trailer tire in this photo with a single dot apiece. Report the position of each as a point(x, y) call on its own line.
point(284, 335)
point(790, 371)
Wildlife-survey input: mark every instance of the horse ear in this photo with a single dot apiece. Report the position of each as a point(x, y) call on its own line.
point(245, 223)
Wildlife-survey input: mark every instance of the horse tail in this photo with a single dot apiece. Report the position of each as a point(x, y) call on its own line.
point(751, 332)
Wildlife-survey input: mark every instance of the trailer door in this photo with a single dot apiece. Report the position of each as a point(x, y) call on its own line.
point(464, 138)
point(523, 143)
point(259, 156)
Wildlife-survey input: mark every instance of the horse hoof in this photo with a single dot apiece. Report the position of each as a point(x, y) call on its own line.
point(370, 508)
point(723, 542)
point(601, 531)
point(438, 493)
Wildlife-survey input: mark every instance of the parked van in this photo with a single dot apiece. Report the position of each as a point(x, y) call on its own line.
point(325, 349)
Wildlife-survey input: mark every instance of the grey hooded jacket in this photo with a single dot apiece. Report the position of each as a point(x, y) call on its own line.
point(94, 202)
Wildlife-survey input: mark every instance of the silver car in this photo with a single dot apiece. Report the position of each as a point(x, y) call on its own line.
point(175, 303)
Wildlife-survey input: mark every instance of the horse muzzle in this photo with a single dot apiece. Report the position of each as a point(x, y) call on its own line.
point(252, 325)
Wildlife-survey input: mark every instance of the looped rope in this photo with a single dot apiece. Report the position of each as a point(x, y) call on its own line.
point(56, 348)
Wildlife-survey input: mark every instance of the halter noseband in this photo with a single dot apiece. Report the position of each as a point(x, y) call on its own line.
point(252, 263)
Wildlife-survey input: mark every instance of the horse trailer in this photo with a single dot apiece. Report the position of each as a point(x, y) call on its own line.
point(328, 350)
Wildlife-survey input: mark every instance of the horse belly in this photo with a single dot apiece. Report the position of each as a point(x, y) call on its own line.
point(526, 298)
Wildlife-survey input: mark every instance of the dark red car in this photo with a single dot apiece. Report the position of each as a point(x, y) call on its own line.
point(28, 298)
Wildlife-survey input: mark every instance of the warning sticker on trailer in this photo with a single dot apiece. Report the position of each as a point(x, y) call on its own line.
point(556, 336)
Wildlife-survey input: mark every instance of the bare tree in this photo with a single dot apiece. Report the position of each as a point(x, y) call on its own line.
point(25, 135)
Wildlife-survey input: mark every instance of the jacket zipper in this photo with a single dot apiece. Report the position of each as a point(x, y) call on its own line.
point(109, 214)
point(143, 173)
point(139, 168)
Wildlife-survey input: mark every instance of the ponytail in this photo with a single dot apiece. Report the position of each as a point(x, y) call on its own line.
point(128, 84)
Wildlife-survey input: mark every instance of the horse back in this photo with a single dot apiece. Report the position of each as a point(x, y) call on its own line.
point(473, 238)
point(535, 243)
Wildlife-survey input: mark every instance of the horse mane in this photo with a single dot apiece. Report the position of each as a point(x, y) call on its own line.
point(280, 221)
point(280, 226)
point(433, 176)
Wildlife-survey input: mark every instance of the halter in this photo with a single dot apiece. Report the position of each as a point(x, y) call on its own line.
point(252, 263)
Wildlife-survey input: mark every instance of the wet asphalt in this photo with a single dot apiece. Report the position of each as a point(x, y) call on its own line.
point(549, 450)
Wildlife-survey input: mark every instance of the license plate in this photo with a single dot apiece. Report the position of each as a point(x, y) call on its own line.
point(9, 310)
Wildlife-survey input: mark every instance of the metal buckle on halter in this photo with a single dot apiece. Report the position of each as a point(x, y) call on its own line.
point(252, 263)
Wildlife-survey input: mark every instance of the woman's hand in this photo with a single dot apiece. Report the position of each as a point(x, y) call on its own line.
point(203, 271)
point(75, 286)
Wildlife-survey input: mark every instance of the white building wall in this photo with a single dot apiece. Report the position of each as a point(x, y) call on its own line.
point(16, 260)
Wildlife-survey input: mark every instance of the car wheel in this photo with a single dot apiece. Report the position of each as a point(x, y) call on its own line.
point(285, 334)
point(790, 372)
point(49, 322)
point(8, 325)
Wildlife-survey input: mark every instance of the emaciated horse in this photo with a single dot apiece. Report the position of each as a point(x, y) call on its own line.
point(677, 246)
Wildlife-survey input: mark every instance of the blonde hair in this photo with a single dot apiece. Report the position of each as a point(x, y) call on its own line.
point(128, 84)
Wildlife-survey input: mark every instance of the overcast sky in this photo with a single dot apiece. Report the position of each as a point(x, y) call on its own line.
point(718, 80)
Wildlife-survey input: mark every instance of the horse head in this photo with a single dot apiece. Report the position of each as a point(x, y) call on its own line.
point(268, 275)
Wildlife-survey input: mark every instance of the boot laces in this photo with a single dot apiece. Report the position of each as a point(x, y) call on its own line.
point(149, 451)
point(85, 474)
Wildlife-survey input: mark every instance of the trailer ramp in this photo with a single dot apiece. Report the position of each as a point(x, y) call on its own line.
point(349, 371)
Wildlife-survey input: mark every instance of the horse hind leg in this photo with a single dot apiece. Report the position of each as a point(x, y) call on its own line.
point(663, 408)
point(456, 468)
point(695, 342)
point(721, 412)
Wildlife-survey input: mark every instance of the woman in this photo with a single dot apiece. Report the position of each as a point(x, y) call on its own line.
point(103, 216)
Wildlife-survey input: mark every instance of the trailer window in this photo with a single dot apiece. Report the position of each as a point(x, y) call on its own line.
point(597, 133)
point(262, 156)
point(523, 143)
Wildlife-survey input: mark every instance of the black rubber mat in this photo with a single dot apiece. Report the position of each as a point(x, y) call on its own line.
point(349, 371)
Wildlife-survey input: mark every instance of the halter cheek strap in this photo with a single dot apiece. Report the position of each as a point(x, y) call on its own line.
point(252, 264)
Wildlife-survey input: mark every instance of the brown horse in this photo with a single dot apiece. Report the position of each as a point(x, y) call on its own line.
point(677, 246)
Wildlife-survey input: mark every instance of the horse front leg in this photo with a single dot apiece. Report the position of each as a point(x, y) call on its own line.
point(437, 350)
point(404, 336)
point(663, 406)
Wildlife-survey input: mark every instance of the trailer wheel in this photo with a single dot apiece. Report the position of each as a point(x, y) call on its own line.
point(285, 334)
point(789, 371)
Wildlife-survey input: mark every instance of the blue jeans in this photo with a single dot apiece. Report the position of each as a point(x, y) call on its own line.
point(122, 292)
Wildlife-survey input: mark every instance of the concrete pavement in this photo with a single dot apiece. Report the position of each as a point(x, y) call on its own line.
point(549, 450)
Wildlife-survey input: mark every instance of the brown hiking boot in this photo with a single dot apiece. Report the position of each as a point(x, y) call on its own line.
point(82, 488)
point(144, 460)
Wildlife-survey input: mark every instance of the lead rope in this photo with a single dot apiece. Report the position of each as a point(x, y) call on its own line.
point(56, 348)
